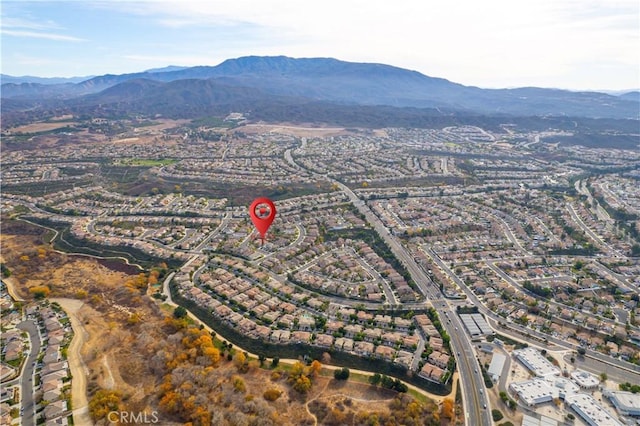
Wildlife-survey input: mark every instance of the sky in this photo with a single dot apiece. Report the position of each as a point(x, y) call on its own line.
point(567, 44)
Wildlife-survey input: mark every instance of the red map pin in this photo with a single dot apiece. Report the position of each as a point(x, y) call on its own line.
point(262, 212)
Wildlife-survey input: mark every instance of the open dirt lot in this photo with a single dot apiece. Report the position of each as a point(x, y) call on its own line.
point(41, 127)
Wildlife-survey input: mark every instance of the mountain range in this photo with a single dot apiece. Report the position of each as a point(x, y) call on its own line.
point(257, 85)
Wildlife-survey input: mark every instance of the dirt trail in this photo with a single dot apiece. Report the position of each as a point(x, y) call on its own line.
point(318, 395)
point(109, 382)
point(11, 289)
point(79, 401)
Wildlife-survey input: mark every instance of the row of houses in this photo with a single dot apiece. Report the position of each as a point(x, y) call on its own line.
point(274, 312)
point(436, 365)
point(54, 373)
point(12, 345)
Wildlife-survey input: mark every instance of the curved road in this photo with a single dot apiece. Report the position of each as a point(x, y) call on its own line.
point(28, 405)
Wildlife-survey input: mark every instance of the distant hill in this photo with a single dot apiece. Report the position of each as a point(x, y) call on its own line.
point(38, 91)
point(41, 80)
point(632, 96)
point(278, 81)
point(166, 69)
point(181, 98)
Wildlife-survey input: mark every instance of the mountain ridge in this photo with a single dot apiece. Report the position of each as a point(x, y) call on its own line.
point(308, 80)
point(5, 78)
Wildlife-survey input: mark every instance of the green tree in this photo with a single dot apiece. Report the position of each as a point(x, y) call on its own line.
point(399, 386)
point(497, 415)
point(386, 381)
point(6, 273)
point(179, 312)
point(341, 374)
point(375, 379)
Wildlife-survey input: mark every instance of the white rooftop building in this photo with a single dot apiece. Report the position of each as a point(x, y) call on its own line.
point(562, 387)
point(528, 420)
point(590, 411)
point(533, 392)
point(536, 362)
point(541, 390)
point(585, 380)
point(496, 366)
point(627, 403)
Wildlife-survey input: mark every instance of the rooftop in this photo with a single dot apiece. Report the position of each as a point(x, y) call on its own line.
point(590, 411)
point(536, 362)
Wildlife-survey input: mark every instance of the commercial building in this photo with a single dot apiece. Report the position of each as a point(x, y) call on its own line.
point(476, 325)
point(627, 403)
point(536, 362)
point(585, 380)
point(533, 392)
point(590, 411)
point(496, 366)
point(528, 420)
point(563, 386)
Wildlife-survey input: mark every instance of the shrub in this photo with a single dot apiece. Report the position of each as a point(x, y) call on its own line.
point(302, 384)
point(103, 402)
point(272, 394)
point(40, 292)
point(238, 384)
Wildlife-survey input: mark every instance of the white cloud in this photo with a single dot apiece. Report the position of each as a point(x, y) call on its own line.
point(43, 35)
point(9, 22)
point(45, 29)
